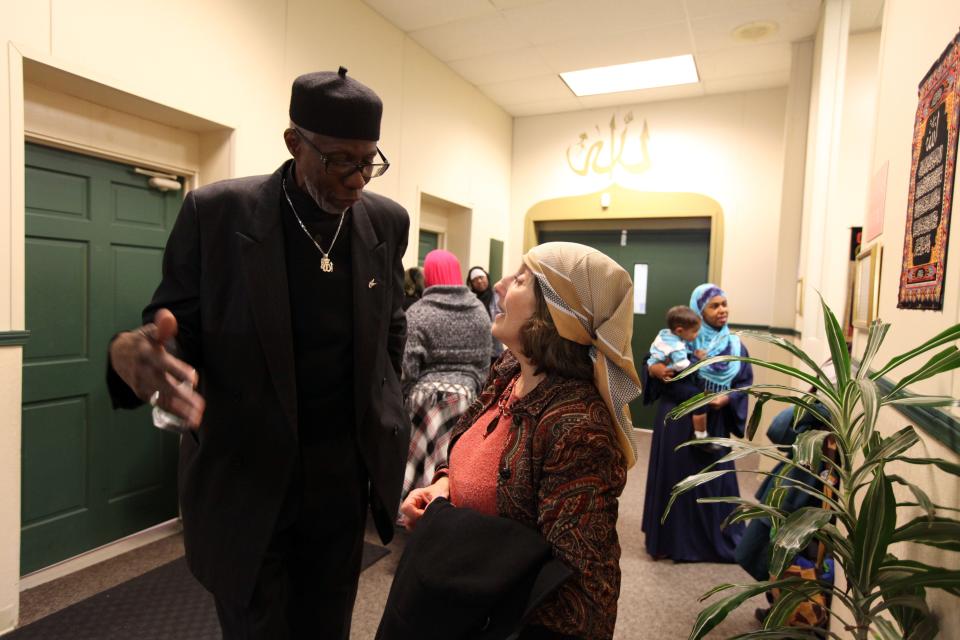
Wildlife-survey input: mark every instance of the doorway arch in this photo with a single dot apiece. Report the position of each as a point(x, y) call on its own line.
point(651, 209)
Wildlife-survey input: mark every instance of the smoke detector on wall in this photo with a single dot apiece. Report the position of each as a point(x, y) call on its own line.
point(755, 31)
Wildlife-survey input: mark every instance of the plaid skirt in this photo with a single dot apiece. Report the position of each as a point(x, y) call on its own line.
point(434, 408)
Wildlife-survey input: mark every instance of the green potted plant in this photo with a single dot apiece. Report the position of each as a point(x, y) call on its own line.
point(858, 521)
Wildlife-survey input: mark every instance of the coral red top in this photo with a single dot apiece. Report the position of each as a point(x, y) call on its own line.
point(475, 459)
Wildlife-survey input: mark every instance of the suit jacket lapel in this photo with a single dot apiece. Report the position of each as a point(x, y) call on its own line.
point(265, 267)
point(369, 282)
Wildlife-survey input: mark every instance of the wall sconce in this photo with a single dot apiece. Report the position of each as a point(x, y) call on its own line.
point(604, 201)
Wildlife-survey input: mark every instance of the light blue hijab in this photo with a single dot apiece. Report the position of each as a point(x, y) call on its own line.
point(716, 342)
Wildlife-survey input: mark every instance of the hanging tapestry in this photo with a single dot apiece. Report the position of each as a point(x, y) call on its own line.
point(931, 184)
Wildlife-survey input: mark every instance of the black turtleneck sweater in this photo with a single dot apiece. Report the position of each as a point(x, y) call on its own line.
point(321, 312)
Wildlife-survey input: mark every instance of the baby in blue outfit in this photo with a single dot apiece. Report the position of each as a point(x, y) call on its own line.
point(671, 347)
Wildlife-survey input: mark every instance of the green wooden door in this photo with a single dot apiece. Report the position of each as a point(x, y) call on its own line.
point(429, 240)
point(676, 262)
point(94, 238)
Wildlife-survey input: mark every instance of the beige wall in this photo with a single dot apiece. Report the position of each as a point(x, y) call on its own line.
point(910, 42)
point(231, 62)
point(728, 147)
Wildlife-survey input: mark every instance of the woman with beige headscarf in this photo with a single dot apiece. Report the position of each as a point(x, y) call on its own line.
point(549, 441)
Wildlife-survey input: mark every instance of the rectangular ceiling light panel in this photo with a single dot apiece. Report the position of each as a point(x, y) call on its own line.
point(646, 74)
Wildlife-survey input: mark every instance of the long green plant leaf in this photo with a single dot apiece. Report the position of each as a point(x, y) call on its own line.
point(887, 449)
point(943, 465)
point(922, 498)
point(910, 601)
point(875, 336)
point(715, 612)
point(927, 629)
point(808, 449)
point(838, 345)
point(945, 360)
point(937, 507)
point(691, 482)
point(783, 607)
point(825, 388)
point(874, 529)
point(786, 345)
point(943, 533)
point(923, 401)
point(883, 629)
point(796, 531)
point(802, 399)
point(793, 633)
point(743, 502)
point(754, 421)
point(870, 396)
point(744, 513)
point(943, 579)
point(944, 337)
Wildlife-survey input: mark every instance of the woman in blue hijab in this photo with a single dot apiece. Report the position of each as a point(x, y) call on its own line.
point(692, 531)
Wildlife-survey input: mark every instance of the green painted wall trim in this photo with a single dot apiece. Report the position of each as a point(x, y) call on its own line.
point(14, 338)
point(780, 331)
point(938, 424)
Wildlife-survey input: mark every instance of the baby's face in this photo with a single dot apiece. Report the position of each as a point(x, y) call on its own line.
point(688, 334)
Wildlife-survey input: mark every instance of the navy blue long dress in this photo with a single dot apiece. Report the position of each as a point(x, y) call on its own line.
point(692, 531)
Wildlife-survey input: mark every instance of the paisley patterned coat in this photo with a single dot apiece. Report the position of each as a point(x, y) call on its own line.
point(561, 472)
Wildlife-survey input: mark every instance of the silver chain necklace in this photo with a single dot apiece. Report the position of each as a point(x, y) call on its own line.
point(326, 264)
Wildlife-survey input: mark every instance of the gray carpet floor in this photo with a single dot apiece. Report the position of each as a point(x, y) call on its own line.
point(658, 599)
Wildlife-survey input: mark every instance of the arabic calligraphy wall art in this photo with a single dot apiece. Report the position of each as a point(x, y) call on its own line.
point(601, 152)
point(932, 174)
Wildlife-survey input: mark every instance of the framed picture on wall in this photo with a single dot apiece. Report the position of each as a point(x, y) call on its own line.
point(866, 287)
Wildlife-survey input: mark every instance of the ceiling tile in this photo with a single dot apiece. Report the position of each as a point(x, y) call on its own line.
point(598, 19)
point(547, 87)
point(748, 82)
point(697, 9)
point(502, 67)
point(647, 95)
point(410, 15)
point(712, 34)
point(646, 44)
point(511, 4)
point(543, 107)
point(727, 63)
point(469, 38)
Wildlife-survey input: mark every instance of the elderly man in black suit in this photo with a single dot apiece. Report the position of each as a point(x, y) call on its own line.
point(274, 340)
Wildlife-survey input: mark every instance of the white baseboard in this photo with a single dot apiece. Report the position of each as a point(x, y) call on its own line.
point(94, 556)
point(8, 619)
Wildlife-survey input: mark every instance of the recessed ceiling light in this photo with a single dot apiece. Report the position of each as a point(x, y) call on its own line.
point(646, 74)
point(755, 31)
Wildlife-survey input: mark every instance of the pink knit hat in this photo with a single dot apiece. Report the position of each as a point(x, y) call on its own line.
point(441, 267)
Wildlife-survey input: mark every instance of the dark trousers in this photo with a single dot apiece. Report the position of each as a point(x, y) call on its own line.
point(308, 580)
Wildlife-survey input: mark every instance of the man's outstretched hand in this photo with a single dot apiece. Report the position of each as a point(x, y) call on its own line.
point(140, 358)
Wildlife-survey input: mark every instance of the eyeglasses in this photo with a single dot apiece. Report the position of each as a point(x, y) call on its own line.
point(346, 168)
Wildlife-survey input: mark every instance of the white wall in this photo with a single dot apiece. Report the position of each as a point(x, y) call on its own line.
point(232, 62)
point(728, 147)
point(847, 202)
point(910, 43)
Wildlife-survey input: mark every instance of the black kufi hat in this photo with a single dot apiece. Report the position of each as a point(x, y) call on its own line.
point(334, 105)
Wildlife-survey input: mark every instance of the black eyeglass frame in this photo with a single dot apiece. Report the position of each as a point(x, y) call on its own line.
point(377, 168)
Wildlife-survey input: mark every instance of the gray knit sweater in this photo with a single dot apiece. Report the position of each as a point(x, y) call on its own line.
point(448, 339)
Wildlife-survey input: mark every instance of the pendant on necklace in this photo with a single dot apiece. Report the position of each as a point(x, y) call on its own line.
point(326, 264)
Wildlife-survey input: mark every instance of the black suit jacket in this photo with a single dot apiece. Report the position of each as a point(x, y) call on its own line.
point(225, 280)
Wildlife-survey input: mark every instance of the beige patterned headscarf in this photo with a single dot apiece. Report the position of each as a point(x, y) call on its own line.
point(590, 298)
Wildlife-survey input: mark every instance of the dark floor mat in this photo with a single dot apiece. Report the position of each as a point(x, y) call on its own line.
point(166, 603)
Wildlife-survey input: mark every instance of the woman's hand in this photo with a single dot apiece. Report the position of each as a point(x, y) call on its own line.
point(659, 370)
point(418, 499)
point(720, 403)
